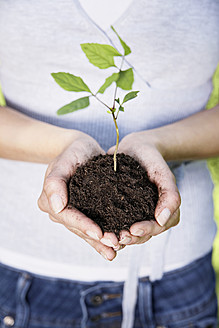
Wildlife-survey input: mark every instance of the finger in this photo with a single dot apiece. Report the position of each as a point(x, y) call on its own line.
point(107, 252)
point(111, 150)
point(110, 239)
point(168, 203)
point(174, 220)
point(55, 184)
point(59, 173)
point(119, 247)
point(139, 240)
point(78, 223)
point(75, 221)
point(52, 218)
point(43, 203)
point(169, 197)
point(152, 228)
point(127, 239)
point(143, 239)
point(146, 228)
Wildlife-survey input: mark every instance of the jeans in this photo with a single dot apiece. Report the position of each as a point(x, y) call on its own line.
point(182, 298)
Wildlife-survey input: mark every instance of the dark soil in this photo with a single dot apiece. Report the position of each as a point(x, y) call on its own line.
point(114, 200)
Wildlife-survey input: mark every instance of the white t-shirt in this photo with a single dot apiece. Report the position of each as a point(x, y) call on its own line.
point(105, 13)
point(175, 46)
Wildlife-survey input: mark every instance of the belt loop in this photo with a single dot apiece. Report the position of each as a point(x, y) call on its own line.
point(146, 303)
point(23, 310)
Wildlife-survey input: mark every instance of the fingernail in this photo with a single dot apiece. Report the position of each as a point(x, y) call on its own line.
point(92, 235)
point(138, 232)
point(107, 242)
point(125, 240)
point(56, 203)
point(163, 217)
point(104, 255)
point(117, 248)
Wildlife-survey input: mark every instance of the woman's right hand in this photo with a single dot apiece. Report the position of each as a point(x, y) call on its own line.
point(54, 197)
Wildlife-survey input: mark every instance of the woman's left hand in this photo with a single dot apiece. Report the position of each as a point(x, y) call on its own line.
point(143, 148)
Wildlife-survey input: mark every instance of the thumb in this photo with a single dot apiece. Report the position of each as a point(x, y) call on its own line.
point(55, 190)
point(169, 200)
point(111, 150)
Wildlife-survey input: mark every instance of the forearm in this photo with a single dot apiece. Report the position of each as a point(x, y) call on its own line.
point(196, 137)
point(23, 138)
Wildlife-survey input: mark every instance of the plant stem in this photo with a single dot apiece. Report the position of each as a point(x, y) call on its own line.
point(117, 130)
point(117, 142)
point(114, 117)
point(114, 101)
point(114, 120)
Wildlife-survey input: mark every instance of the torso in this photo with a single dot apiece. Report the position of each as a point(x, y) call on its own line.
point(175, 47)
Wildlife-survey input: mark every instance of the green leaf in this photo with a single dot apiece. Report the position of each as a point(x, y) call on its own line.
point(126, 79)
point(70, 82)
point(113, 78)
point(117, 100)
point(126, 48)
point(2, 99)
point(100, 55)
point(129, 96)
point(121, 108)
point(74, 105)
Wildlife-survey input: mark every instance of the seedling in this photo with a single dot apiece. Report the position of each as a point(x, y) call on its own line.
point(101, 56)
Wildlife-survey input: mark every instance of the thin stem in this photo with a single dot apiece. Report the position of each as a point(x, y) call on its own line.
point(117, 114)
point(117, 130)
point(114, 117)
point(114, 103)
point(117, 142)
point(114, 120)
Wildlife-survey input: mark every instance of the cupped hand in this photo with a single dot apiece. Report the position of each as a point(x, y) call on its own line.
point(141, 146)
point(54, 197)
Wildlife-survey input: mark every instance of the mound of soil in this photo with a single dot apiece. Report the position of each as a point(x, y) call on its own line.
point(114, 200)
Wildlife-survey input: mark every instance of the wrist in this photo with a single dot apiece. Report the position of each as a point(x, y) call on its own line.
point(58, 140)
point(25, 139)
point(155, 139)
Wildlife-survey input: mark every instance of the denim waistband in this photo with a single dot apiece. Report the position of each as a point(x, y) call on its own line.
point(181, 298)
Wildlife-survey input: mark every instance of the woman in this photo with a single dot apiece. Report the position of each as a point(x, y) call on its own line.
point(49, 276)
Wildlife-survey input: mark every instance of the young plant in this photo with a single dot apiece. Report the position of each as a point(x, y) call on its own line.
point(101, 56)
